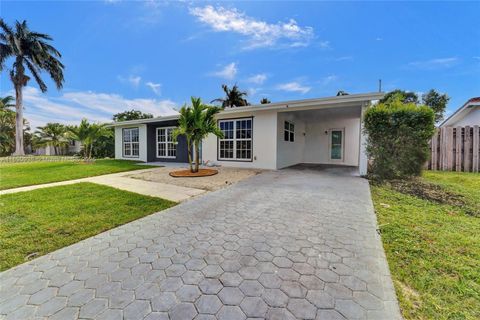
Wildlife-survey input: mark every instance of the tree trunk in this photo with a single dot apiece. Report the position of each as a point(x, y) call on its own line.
point(19, 150)
point(55, 150)
point(197, 155)
point(189, 153)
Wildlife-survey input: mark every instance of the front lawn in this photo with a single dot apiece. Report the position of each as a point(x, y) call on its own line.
point(433, 246)
point(14, 175)
point(43, 220)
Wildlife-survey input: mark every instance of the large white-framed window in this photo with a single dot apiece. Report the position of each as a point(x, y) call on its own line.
point(336, 144)
point(166, 147)
point(131, 146)
point(236, 145)
point(289, 131)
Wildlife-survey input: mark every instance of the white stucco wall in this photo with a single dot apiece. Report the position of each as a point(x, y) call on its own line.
point(142, 132)
point(290, 153)
point(471, 119)
point(264, 142)
point(317, 140)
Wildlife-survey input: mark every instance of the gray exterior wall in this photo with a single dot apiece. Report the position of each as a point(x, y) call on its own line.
point(182, 154)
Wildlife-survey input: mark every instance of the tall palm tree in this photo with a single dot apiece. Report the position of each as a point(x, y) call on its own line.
point(233, 97)
point(31, 51)
point(87, 134)
point(196, 123)
point(52, 134)
point(6, 102)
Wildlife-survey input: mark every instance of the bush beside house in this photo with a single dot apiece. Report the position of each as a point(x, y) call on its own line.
point(398, 135)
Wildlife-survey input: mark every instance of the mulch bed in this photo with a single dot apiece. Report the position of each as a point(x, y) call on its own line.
point(188, 174)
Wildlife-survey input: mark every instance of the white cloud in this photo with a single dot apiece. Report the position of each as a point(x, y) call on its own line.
point(156, 87)
point(378, 39)
point(258, 33)
point(294, 87)
point(71, 107)
point(434, 63)
point(477, 57)
point(134, 81)
point(258, 78)
point(228, 72)
point(344, 58)
point(329, 79)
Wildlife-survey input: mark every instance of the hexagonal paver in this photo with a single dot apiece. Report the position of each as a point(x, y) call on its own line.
point(195, 264)
point(293, 289)
point(254, 307)
point(350, 309)
point(210, 286)
point(282, 262)
point(329, 315)
point(81, 297)
point(311, 282)
point(231, 279)
point(51, 307)
point(43, 296)
point(147, 290)
point(302, 309)
point(208, 304)
point(93, 307)
point(175, 270)
point(252, 288)
point(164, 301)
point(270, 280)
point(249, 273)
point(192, 277)
point(231, 313)
point(188, 293)
point(275, 298)
point(171, 284)
point(183, 311)
point(121, 298)
point(231, 296)
point(138, 309)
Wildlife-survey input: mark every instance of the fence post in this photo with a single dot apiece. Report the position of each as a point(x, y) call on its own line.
point(466, 150)
point(476, 149)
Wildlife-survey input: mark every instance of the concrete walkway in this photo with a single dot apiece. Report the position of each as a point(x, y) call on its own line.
point(290, 244)
point(122, 181)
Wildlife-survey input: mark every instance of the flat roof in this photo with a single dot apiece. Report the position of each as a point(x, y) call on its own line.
point(351, 98)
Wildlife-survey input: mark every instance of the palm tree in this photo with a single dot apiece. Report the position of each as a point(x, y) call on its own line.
point(52, 134)
point(342, 93)
point(196, 123)
point(233, 97)
point(6, 102)
point(31, 51)
point(265, 101)
point(87, 134)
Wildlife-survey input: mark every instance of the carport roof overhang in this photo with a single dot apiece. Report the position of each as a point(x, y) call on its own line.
point(293, 105)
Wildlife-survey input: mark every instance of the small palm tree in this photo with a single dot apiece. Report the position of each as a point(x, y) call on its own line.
point(87, 134)
point(7, 102)
point(31, 51)
point(233, 97)
point(52, 134)
point(196, 123)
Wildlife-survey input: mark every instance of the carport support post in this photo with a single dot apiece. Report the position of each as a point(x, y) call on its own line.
point(363, 159)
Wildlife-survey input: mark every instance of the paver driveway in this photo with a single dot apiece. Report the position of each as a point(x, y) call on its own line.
point(297, 243)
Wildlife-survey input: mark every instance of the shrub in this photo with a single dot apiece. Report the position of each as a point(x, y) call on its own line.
point(397, 138)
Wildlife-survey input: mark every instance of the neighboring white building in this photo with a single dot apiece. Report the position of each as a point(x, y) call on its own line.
point(466, 115)
point(265, 136)
point(73, 147)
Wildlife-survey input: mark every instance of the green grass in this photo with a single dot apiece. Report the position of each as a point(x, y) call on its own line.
point(433, 249)
point(43, 220)
point(13, 175)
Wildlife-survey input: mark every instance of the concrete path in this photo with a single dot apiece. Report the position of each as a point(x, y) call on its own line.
point(121, 181)
point(291, 244)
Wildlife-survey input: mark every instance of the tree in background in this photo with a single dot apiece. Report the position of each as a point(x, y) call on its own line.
point(432, 99)
point(7, 103)
point(7, 127)
point(233, 97)
point(342, 93)
point(437, 101)
point(265, 101)
point(131, 115)
point(88, 134)
point(196, 123)
point(30, 50)
point(52, 134)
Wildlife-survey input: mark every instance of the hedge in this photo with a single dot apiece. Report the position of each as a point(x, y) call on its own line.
point(397, 139)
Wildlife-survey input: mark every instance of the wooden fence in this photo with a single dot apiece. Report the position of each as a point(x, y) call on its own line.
point(455, 149)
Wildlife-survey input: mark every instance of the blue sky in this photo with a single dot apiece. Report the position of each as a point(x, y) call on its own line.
point(154, 55)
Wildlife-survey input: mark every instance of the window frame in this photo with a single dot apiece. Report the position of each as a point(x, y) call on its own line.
point(131, 143)
point(166, 143)
point(342, 145)
point(234, 140)
point(290, 131)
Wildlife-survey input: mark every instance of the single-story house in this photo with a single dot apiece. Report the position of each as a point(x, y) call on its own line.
point(266, 136)
point(466, 115)
point(73, 147)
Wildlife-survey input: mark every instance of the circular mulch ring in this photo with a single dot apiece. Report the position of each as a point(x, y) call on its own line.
point(188, 174)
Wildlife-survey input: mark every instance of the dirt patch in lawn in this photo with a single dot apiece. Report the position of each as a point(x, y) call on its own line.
point(225, 177)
